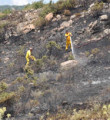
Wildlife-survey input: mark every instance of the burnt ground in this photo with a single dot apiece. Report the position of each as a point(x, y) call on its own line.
point(89, 80)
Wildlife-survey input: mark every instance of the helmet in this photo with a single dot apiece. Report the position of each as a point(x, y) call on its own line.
point(30, 48)
point(66, 31)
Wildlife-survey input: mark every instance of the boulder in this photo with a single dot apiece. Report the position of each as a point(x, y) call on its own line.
point(103, 17)
point(67, 12)
point(72, 17)
point(66, 24)
point(69, 64)
point(49, 17)
point(25, 27)
point(107, 31)
point(58, 17)
point(33, 14)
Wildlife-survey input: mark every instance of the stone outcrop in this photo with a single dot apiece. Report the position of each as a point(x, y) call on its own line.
point(69, 64)
point(49, 17)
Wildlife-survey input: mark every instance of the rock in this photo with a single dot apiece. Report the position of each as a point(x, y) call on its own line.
point(6, 60)
point(69, 64)
point(91, 5)
point(58, 17)
point(103, 17)
point(89, 10)
point(32, 14)
point(49, 17)
point(55, 19)
point(107, 31)
point(66, 24)
point(92, 25)
point(64, 103)
point(67, 12)
point(72, 17)
point(25, 27)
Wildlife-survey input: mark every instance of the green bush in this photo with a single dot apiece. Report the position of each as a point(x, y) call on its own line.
point(3, 86)
point(70, 57)
point(97, 8)
point(7, 11)
point(2, 15)
point(35, 5)
point(21, 51)
point(97, 112)
point(5, 96)
point(53, 44)
point(68, 4)
point(39, 22)
point(95, 51)
point(87, 53)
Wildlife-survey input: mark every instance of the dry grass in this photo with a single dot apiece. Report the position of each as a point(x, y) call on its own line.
point(97, 112)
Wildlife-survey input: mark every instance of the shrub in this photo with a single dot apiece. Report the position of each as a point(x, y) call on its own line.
point(97, 112)
point(7, 11)
point(2, 112)
point(35, 5)
point(95, 51)
point(28, 70)
point(2, 15)
point(3, 86)
point(21, 51)
point(97, 8)
point(5, 96)
point(39, 22)
point(53, 44)
point(68, 4)
point(87, 53)
point(3, 25)
point(70, 57)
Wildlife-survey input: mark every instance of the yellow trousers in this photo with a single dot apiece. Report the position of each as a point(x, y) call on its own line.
point(68, 43)
point(27, 59)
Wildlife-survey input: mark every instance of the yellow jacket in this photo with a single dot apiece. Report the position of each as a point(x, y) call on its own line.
point(68, 35)
point(28, 54)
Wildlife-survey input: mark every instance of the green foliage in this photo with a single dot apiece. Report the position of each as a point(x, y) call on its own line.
point(97, 112)
point(21, 89)
point(19, 79)
point(21, 51)
point(35, 5)
point(47, 9)
point(2, 112)
point(87, 53)
point(2, 15)
point(7, 11)
point(70, 57)
point(97, 8)
point(40, 63)
point(5, 96)
point(2, 25)
point(3, 86)
point(39, 22)
point(11, 65)
point(67, 4)
point(95, 51)
point(53, 44)
point(28, 70)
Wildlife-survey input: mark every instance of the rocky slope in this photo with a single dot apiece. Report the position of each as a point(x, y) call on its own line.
point(55, 81)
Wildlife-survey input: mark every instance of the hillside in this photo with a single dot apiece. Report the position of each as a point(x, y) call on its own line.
point(58, 85)
point(5, 7)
